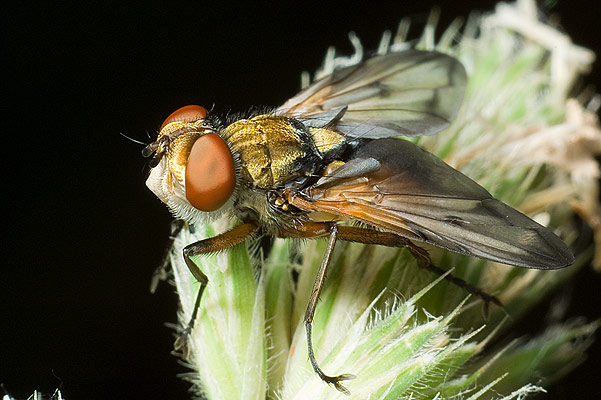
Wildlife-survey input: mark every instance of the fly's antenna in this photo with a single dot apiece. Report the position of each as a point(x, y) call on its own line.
point(133, 140)
point(149, 150)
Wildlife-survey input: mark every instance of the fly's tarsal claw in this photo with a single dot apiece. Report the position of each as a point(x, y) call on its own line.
point(335, 381)
point(182, 343)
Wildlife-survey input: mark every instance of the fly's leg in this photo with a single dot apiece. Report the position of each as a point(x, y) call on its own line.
point(366, 236)
point(310, 313)
point(424, 261)
point(370, 236)
point(207, 246)
point(160, 273)
point(314, 230)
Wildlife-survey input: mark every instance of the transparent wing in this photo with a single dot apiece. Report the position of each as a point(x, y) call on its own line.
point(407, 93)
point(416, 195)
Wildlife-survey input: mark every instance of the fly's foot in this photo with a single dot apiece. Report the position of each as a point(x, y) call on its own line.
point(182, 343)
point(487, 299)
point(335, 380)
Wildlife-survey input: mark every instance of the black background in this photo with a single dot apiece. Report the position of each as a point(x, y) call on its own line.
point(83, 234)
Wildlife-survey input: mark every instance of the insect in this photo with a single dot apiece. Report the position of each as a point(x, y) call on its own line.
point(330, 156)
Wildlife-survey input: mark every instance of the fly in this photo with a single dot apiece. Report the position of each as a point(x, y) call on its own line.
point(331, 155)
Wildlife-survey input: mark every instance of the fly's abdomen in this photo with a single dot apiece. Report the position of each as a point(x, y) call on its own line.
point(272, 149)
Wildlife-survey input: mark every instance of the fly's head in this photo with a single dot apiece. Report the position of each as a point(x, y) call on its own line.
point(193, 169)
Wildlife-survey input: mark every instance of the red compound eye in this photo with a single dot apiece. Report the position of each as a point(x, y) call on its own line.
point(210, 173)
point(189, 113)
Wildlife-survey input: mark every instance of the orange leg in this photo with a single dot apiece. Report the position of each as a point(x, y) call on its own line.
point(211, 245)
